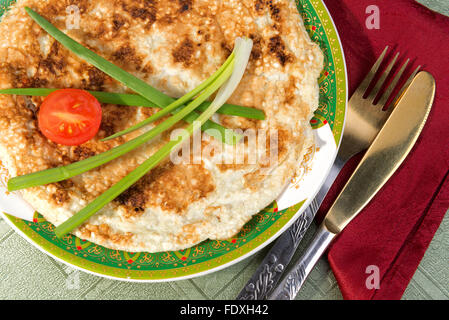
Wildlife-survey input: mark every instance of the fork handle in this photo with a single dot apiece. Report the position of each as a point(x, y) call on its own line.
point(294, 279)
point(271, 269)
point(330, 179)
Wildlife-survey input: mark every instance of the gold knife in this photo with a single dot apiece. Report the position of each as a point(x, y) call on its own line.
point(390, 148)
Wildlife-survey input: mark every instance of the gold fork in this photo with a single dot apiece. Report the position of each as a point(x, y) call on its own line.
point(364, 120)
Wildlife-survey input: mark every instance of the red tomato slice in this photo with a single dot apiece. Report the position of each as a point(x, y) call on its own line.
point(70, 116)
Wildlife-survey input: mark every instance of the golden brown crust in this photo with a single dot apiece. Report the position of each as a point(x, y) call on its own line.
point(103, 232)
point(184, 52)
point(189, 234)
point(171, 187)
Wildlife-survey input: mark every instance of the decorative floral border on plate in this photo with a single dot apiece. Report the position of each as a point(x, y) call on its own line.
point(208, 255)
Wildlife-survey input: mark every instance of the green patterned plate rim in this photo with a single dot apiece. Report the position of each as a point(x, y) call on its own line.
point(209, 255)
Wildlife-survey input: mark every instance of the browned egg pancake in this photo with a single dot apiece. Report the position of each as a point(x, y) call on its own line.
point(173, 45)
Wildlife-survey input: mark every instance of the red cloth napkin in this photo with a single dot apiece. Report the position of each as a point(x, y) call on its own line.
point(395, 229)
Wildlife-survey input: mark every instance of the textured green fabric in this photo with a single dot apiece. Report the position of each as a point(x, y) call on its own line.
point(441, 6)
point(27, 273)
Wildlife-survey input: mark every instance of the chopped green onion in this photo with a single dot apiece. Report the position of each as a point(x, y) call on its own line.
point(66, 172)
point(132, 82)
point(242, 51)
point(178, 103)
point(135, 100)
point(129, 80)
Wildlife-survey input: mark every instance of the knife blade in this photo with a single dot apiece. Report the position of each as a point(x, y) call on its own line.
point(383, 158)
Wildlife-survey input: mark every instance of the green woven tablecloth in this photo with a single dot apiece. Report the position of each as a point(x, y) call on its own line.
point(27, 273)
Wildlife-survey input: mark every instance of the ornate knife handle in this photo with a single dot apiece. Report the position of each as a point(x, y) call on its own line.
point(276, 261)
point(293, 281)
point(270, 271)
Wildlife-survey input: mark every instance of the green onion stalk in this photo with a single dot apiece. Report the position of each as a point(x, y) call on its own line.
point(66, 172)
point(242, 51)
point(129, 80)
point(135, 100)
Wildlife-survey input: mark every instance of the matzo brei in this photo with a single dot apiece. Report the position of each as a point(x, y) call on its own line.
point(174, 46)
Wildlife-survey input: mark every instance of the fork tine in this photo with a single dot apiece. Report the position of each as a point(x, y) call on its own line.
point(386, 95)
point(375, 91)
point(363, 87)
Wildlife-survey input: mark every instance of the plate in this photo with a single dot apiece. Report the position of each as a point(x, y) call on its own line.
point(210, 256)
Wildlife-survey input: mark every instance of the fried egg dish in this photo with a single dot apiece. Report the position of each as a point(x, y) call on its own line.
point(173, 45)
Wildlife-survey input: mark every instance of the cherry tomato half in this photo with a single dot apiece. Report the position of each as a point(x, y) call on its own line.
point(70, 116)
